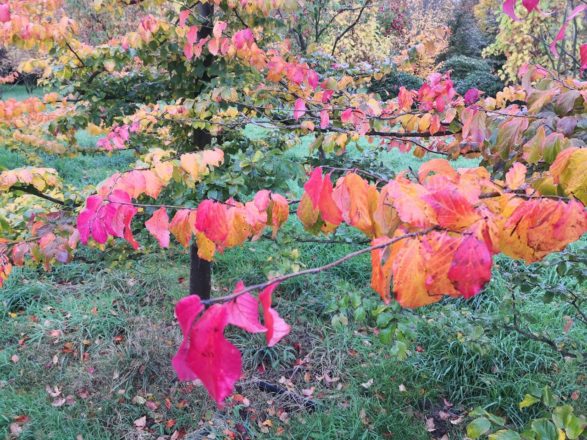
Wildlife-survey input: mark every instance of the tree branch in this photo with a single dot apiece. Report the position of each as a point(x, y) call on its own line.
point(350, 26)
point(29, 189)
point(315, 270)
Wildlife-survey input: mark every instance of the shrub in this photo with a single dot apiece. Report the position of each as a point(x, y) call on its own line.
point(389, 85)
point(485, 81)
point(462, 66)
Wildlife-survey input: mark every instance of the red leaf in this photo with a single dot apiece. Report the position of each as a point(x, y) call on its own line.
point(211, 219)
point(208, 356)
point(158, 226)
point(277, 328)
point(244, 312)
point(471, 267)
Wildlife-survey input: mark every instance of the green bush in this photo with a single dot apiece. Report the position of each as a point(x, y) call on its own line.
point(388, 86)
point(462, 66)
point(484, 81)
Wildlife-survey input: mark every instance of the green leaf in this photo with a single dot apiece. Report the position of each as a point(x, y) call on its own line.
point(544, 429)
point(500, 421)
point(575, 426)
point(505, 434)
point(547, 397)
point(384, 319)
point(360, 314)
point(478, 427)
point(529, 400)
point(563, 418)
point(560, 415)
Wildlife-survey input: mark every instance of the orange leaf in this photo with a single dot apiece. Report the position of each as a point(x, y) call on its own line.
point(409, 276)
point(516, 176)
point(452, 209)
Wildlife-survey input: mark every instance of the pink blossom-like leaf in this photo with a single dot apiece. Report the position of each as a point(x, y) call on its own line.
point(244, 312)
point(299, 108)
point(158, 226)
point(277, 328)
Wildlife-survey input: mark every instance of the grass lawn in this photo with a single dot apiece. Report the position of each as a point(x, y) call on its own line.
point(85, 349)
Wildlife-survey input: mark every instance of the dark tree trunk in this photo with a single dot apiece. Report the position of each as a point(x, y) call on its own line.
point(201, 270)
point(200, 274)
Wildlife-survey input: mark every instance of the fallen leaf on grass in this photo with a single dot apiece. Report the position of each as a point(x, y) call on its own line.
point(14, 358)
point(308, 391)
point(58, 402)
point(368, 384)
point(53, 391)
point(138, 400)
point(152, 405)
point(15, 429)
point(140, 423)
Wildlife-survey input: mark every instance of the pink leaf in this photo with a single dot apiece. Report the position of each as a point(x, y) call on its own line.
point(561, 33)
point(192, 35)
point(530, 5)
point(209, 356)
point(158, 226)
point(219, 27)
point(186, 310)
point(4, 13)
point(183, 16)
point(324, 119)
point(119, 214)
point(583, 55)
point(188, 51)
point(471, 267)
point(472, 96)
point(313, 186)
point(299, 108)
point(90, 222)
point(277, 328)
point(244, 312)
point(509, 7)
point(347, 115)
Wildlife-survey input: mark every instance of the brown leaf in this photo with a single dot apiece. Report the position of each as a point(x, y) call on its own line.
point(21, 419)
point(430, 425)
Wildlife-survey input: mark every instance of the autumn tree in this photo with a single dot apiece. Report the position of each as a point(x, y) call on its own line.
point(177, 91)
